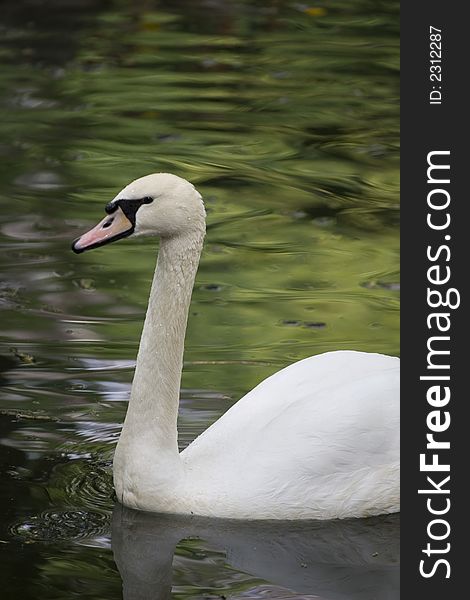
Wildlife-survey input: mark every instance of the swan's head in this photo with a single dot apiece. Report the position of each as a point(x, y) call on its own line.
point(161, 204)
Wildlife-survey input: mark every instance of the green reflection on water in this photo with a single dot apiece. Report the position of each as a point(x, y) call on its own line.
point(285, 117)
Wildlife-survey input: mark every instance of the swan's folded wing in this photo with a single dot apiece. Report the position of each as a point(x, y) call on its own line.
point(322, 432)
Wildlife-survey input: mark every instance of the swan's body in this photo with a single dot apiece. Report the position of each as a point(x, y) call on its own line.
point(319, 439)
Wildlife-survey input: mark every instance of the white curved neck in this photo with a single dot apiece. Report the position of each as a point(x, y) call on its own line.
point(153, 407)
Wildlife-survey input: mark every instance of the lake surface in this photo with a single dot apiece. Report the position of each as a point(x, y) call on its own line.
point(285, 117)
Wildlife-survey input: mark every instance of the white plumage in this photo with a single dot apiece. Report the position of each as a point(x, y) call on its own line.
point(319, 439)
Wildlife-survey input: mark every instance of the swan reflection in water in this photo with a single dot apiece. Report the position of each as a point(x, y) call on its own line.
point(354, 559)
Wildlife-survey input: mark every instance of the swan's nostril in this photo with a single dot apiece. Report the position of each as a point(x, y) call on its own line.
point(108, 223)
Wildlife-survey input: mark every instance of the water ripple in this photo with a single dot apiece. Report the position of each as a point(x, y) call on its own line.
point(56, 526)
point(89, 485)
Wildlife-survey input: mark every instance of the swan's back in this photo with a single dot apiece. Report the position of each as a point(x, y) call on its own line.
point(318, 439)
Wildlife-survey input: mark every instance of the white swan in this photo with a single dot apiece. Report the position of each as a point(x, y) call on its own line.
point(317, 440)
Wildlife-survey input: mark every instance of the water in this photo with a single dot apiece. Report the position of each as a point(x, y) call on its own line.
point(285, 117)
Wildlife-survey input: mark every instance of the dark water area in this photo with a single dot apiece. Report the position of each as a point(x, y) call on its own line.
point(285, 117)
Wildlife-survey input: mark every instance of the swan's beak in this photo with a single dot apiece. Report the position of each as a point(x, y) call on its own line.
point(113, 227)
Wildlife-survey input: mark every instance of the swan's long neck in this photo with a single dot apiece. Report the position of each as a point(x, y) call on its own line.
point(153, 407)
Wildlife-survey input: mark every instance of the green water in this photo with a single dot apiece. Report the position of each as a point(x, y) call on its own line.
point(285, 117)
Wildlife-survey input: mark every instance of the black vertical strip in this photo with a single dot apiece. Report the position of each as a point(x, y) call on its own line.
point(426, 128)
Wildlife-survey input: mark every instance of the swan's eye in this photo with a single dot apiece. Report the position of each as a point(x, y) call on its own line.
point(128, 207)
point(111, 207)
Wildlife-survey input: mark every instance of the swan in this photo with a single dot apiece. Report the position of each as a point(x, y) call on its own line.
point(317, 440)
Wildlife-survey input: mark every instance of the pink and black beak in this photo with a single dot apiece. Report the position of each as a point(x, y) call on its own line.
point(119, 223)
